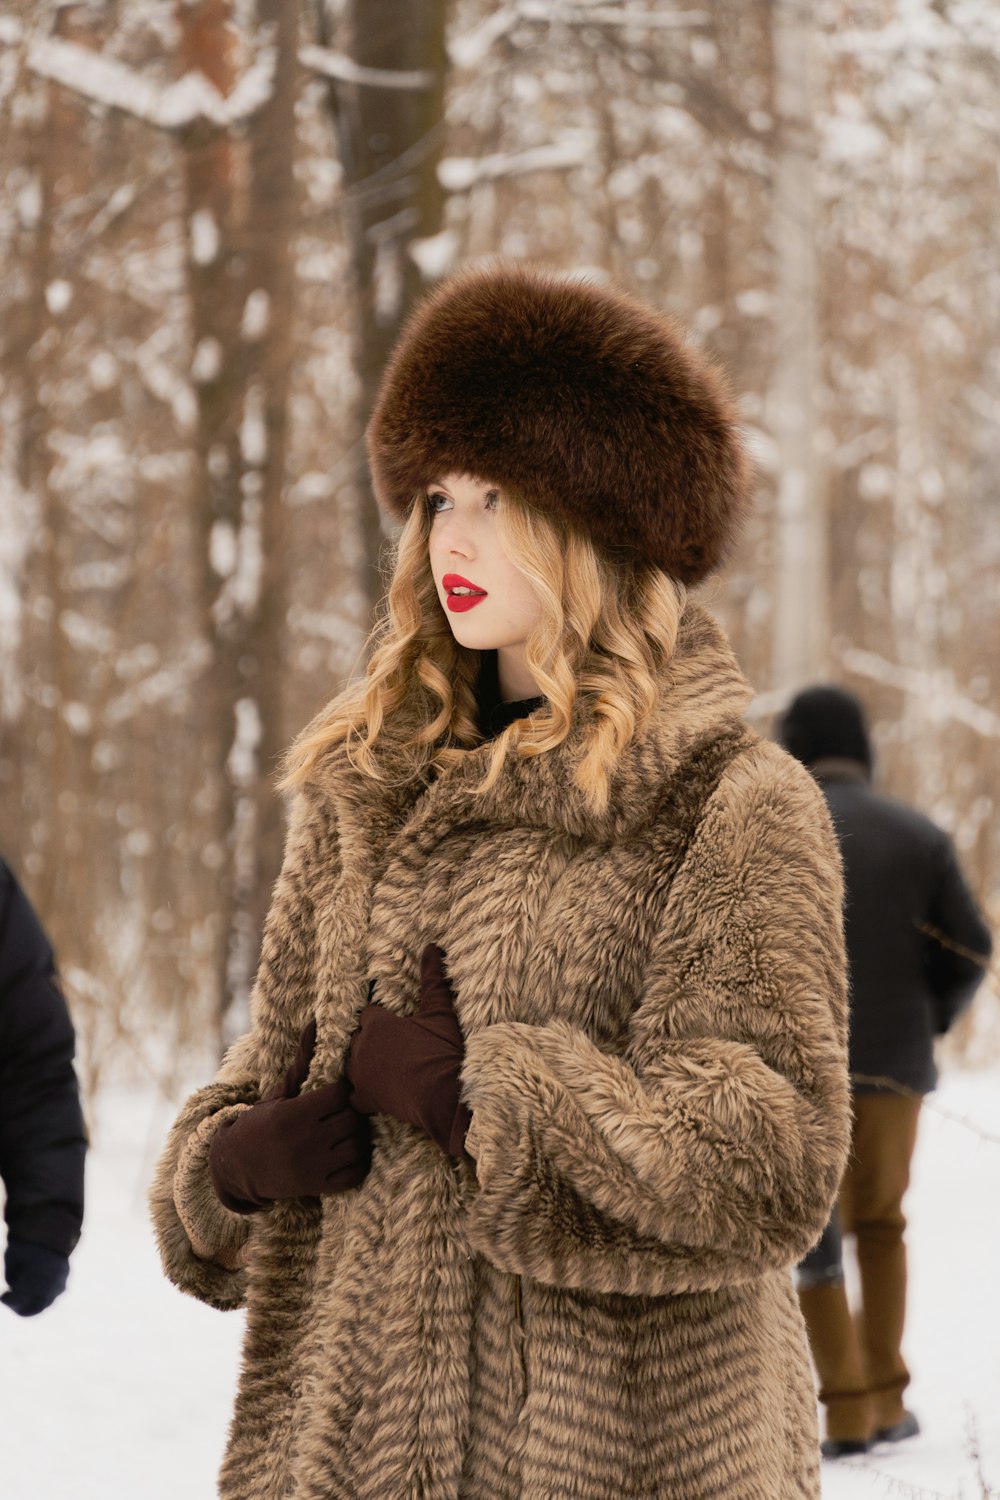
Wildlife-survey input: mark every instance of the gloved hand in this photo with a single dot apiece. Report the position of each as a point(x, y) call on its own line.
point(289, 1144)
point(409, 1066)
point(35, 1277)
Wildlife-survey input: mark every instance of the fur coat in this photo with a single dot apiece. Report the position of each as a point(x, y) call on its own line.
point(653, 1001)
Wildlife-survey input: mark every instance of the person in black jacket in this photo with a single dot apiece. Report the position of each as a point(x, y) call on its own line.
point(917, 949)
point(42, 1136)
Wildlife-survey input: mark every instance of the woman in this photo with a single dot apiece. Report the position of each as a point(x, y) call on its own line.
point(556, 959)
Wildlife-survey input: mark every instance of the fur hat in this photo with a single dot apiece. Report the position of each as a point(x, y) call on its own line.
point(578, 398)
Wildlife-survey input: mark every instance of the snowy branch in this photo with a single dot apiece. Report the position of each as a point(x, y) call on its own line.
point(614, 15)
point(936, 688)
point(345, 70)
point(169, 684)
point(175, 106)
point(469, 50)
point(459, 173)
point(766, 704)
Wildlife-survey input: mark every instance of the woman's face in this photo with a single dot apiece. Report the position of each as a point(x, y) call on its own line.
point(466, 554)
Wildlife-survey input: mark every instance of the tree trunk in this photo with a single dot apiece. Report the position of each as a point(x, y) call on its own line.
point(216, 271)
point(390, 144)
point(268, 331)
point(801, 602)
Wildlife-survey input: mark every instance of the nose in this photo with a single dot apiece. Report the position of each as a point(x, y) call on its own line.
point(454, 538)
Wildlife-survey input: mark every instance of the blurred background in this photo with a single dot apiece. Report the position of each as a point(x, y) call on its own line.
point(214, 217)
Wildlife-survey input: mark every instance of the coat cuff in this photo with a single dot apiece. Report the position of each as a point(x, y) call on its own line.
point(202, 1245)
point(216, 1233)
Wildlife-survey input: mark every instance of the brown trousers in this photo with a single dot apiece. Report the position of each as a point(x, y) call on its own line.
point(861, 1370)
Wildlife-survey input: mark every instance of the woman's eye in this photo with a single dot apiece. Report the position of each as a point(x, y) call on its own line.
point(437, 502)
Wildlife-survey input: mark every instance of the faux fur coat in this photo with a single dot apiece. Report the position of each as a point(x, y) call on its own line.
point(653, 1001)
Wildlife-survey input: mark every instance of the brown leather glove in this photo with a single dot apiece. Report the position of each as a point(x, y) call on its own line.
point(409, 1066)
point(291, 1145)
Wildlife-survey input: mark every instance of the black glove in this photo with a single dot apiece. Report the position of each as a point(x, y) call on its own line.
point(291, 1145)
point(35, 1277)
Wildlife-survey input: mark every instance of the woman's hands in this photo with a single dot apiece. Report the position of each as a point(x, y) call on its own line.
point(291, 1145)
point(409, 1066)
point(294, 1145)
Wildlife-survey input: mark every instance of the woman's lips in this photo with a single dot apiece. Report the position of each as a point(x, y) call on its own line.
point(459, 603)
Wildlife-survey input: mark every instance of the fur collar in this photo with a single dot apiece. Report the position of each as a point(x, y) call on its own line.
point(703, 693)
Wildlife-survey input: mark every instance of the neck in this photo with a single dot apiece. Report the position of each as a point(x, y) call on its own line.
point(516, 681)
point(840, 768)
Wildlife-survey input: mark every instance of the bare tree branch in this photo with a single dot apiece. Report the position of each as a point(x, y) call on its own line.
point(175, 106)
point(337, 65)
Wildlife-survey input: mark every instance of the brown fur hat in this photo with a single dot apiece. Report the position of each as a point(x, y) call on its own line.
point(580, 400)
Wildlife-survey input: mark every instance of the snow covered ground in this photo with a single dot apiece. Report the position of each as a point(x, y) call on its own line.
point(122, 1390)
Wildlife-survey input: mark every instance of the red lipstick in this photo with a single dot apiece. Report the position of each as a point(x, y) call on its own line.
point(459, 603)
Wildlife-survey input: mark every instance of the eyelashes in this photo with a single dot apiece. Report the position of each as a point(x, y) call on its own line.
point(491, 501)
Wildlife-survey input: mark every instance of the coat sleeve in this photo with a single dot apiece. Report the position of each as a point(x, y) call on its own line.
point(202, 1244)
point(42, 1137)
point(959, 943)
point(712, 1148)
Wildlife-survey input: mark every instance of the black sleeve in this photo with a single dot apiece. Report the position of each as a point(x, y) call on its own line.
point(959, 943)
point(42, 1135)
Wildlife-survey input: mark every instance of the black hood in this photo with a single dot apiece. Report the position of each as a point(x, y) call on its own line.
point(825, 723)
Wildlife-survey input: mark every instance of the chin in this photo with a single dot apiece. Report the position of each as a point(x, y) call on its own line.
point(473, 639)
point(476, 635)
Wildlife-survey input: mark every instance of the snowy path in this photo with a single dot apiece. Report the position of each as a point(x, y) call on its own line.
point(122, 1391)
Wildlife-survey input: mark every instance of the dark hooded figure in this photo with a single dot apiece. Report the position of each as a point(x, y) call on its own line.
point(917, 949)
point(42, 1137)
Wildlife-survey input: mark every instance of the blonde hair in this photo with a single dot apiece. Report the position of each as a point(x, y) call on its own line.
point(605, 630)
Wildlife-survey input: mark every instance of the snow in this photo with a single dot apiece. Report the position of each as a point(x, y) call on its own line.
point(20, 509)
point(78, 718)
point(204, 237)
point(459, 173)
point(242, 760)
point(435, 256)
point(222, 548)
point(28, 201)
point(472, 48)
point(953, 1212)
point(125, 1386)
point(253, 429)
point(58, 295)
point(937, 690)
point(206, 363)
point(337, 65)
point(100, 1393)
point(170, 683)
point(256, 315)
point(158, 373)
point(194, 97)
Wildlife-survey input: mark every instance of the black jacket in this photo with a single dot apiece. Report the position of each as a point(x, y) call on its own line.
point(42, 1137)
point(916, 943)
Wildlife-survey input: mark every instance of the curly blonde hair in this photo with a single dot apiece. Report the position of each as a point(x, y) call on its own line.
point(606, 630)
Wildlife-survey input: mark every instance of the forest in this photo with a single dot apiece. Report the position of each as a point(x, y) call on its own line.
point(214, 218)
